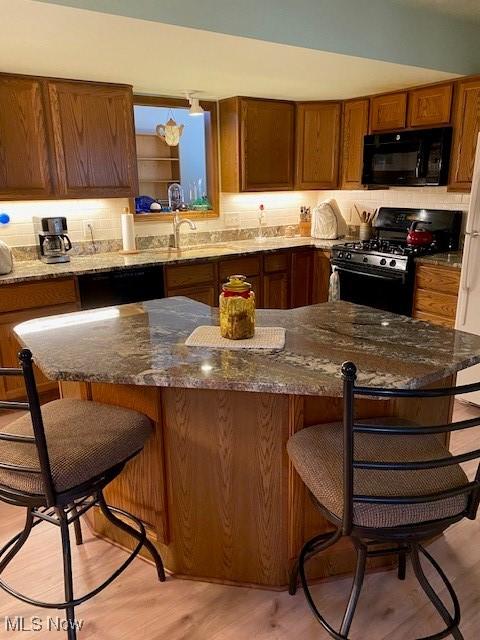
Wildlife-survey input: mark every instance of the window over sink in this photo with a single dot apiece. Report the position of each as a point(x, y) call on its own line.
point(177, 159)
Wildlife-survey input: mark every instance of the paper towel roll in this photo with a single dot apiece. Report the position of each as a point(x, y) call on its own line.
point(128, 232)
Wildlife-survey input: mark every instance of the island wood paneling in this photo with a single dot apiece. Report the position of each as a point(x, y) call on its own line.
point(226, 485)
point(222, 501)
point(141, 487)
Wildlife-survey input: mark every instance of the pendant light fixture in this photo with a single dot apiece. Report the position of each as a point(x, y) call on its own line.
point(195, 108)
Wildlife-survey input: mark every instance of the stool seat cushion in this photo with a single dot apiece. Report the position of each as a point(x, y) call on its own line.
point(84, 439)
point(317, 454)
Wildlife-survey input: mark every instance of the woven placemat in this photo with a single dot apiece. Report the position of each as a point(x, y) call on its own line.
point(264, 338)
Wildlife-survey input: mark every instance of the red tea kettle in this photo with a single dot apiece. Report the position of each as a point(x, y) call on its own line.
point(419, 237)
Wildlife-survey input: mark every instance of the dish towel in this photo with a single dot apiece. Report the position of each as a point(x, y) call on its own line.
point(334, 286)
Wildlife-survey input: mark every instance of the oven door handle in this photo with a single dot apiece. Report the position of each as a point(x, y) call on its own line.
point(369, 273)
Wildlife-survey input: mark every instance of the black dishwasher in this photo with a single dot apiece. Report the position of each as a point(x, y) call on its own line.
point(122, 286)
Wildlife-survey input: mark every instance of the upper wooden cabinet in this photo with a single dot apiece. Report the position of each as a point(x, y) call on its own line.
point(388, 111)
point(466, 126)
point(428, 106)
point(65, 139)
point(257, 144)
point(316, 145)
point(355, 127)
point(24, 154)
point(94, 139)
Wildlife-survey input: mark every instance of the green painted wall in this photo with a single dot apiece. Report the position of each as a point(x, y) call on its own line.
point(379, 29)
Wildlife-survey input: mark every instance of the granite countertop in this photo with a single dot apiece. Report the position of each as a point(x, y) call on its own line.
point(28, 270)
point(143, 344)
point(452, 259)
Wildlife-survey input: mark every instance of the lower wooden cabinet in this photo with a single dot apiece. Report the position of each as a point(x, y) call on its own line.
point(321, 277)
point(204, 293)
point(280, 280)
point(301, 289)
point(27, 301)
point(436, 294)
point(275, 290)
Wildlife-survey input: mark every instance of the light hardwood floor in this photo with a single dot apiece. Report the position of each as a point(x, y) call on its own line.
point(138, 607)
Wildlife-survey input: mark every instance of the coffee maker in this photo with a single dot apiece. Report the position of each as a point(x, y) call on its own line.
point(52, 239)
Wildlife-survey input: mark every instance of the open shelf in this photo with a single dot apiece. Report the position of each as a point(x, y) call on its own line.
point(158, 166)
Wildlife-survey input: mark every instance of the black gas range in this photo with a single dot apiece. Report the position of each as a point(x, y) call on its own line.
point(380, 272)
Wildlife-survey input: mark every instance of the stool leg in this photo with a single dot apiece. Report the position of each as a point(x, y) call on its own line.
point(402, 565)
point(428, 589)
point(67, 573)
point(21, 539)
point(77, 527)
point(356, 588)
point(133, 532)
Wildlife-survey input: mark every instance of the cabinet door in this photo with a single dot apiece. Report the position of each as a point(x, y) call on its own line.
point(267, 145)
point(321, 277)
point(355, 127)
point(94, 139)
point(429, 106)
point(317, 138)
point(466, 126)
point(275, 290)
point(301, 286)
point(206, 293)
point(388, 112)
point(24, 157)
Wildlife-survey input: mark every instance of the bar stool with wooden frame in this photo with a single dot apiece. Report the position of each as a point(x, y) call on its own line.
point(381, 483)
point(55, 462)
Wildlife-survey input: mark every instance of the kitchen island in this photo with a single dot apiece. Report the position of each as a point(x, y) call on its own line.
point(214, 484)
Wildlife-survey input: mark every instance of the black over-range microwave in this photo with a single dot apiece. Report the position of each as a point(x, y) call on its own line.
point(407, 158)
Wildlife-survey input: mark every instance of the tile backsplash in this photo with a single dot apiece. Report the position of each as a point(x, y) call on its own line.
point(237, 211)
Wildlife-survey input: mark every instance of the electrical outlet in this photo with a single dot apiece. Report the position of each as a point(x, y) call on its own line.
point(88, 229)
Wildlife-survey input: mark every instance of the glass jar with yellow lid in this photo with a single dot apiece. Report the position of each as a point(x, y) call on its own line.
point(237, 309)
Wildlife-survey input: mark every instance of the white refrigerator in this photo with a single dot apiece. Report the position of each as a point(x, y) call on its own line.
point(468, 309)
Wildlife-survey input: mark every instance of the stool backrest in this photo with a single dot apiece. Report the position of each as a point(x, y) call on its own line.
point(470, 489)
point(37, 439)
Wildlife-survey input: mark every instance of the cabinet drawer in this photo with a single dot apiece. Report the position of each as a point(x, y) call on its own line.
point(189, 274)
point(441, 279)
point(438, 304)
point(205, 293)
point(29, 295)
point(246, 266)
point(275, 262)
point(428, 317)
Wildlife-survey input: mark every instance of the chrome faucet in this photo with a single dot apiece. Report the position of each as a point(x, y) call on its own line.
point(177, 223)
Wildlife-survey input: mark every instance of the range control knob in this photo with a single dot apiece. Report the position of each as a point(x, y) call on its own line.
point(348, 256)
point(340, 254)
point(393, 263)
point(365, 259)
point(383, 262)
